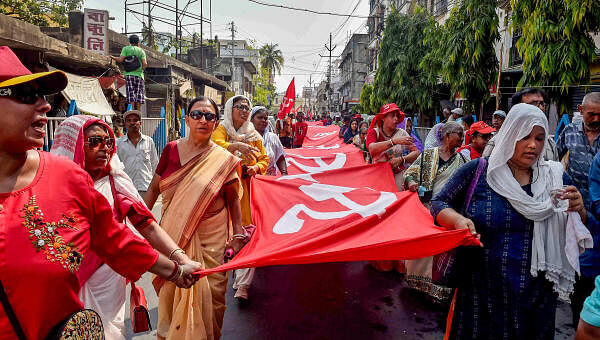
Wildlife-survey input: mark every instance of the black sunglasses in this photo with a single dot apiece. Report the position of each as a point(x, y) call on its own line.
point(197, 114)
point(94, 141)
point(26, 94)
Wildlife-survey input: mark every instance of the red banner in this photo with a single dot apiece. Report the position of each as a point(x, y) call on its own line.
point(349, 214)
point(288, 101)
point(322, 158)
point(322, 136)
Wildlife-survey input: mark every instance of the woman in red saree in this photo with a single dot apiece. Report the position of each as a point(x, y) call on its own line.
point(201, 193)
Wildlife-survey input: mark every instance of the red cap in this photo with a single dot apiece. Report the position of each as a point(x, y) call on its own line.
point(357, 116)
point(13, 72)
point(481, 127)
point(385, 109)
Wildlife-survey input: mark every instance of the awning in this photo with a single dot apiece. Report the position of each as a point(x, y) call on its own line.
point(88, 95)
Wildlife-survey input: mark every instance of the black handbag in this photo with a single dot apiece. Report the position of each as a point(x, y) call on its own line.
point(131, 63)
point(83, 324)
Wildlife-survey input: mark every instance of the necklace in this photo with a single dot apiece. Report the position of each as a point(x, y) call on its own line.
point(386, 135)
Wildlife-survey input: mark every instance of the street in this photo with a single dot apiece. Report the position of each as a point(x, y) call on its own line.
point(331, 301)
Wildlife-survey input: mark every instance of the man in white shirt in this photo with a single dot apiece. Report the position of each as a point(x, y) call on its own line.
point(137, 152)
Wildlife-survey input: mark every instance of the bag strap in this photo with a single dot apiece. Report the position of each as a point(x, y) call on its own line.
point(480, 166)
point(12, 317)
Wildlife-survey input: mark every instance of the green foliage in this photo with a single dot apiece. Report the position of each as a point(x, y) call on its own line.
point(263, 90)
point(398, 78)
point(462, 51)
point(556, 45)
point(366, 94)
point(271, 58)
point(41, 12)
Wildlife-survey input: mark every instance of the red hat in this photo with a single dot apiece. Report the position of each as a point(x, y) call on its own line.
point(357, 116)
point(481, 128)
point(385, 109)
point(13, 72)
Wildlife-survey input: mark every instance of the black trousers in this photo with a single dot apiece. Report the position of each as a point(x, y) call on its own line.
point(583, 288)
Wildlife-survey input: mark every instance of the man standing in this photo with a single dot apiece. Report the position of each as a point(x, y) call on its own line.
point(456, 115)
point(284, 131)
point(498, 119)
point(579, 142)
point(299, 131)
point(535, 97)
point(132, 56)
point(137, 152)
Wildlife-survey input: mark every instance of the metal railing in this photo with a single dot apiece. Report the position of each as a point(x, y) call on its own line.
point(53, 123)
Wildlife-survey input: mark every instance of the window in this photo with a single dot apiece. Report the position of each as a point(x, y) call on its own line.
point(441, 7)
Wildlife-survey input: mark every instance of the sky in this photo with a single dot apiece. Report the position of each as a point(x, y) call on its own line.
point(301, 36)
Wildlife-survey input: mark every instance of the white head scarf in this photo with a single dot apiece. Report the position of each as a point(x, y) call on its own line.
point(549, 236)
point(434, 137)
point(246, 133)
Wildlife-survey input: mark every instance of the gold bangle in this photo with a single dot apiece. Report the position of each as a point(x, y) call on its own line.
point(174, 251)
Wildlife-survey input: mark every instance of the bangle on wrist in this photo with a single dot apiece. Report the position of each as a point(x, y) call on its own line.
point(391, 142)
point(175, 251)
point(174, 273)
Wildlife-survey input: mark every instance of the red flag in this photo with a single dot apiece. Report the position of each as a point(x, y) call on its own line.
point(322, 158)
point(288, 101)
point(323, 135)
point(349, 214)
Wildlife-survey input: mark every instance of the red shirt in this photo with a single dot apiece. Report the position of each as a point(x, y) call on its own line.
point(300, 129)
point(39, 259)
point(473, 153)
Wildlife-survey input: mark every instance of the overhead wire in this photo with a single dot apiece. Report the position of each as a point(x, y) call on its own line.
point(308, 10)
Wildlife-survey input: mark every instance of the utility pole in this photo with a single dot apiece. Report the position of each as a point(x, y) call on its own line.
point(330, 89)
point(311, 88)
point(201, 37)
point(177, 42)
point(150, 37)
point(232, 50)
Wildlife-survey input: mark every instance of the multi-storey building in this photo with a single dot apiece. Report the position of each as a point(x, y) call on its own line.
point(353, 70)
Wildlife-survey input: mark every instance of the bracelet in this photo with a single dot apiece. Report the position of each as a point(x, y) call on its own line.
point(403, 160)
point(175, 273)
point(240, 236)
point(180, 275)
point(392, 142)
point(175, 251)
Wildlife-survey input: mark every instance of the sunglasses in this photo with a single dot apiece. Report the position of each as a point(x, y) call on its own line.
point(197, 114)
point(95, 141)
point(26, 94)
point(242, 108)
point(537, 103)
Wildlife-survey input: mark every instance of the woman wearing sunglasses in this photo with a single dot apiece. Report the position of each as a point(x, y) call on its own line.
point(52, 218)
point(237, 134)
point(90, 143)
point(201, 194)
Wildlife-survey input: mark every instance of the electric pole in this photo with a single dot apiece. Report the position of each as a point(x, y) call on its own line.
point(232, 50)
point(311, 88)
point(329, 88)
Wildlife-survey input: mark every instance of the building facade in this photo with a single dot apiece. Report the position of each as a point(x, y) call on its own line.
point(353, 69)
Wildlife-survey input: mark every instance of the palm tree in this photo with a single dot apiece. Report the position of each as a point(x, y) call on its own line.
point(271, 58)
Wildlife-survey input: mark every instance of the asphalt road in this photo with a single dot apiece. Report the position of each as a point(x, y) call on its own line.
point(330, 301)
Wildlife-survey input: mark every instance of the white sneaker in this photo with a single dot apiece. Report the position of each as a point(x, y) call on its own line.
point(241, 293)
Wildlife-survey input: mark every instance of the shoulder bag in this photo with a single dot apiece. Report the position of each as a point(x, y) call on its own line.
point(83, 324)
point(138, 307)
point(132, 62)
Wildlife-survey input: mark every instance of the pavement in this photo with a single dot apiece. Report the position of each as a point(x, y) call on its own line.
point(348, 300)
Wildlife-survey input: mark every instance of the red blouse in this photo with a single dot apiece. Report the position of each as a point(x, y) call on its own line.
point(46, 229)
point(169, 160)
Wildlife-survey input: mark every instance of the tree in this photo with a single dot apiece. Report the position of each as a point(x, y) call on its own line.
point(264, 91)
point(41, 12)
point(399, 78)
point(366, 94)
point(462, 51)
point(271, 58)
point(556, 45)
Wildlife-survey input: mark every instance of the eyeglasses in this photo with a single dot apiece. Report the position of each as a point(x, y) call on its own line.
point(538, 103)
point(197, 114)
point(242, 107)
point(26, 94)
point(95, 141)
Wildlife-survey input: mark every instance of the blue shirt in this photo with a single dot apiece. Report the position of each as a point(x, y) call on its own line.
point(591, 307)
